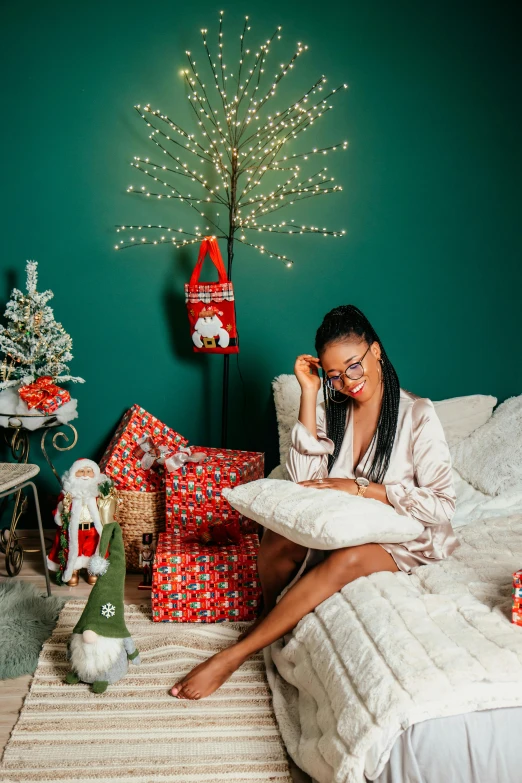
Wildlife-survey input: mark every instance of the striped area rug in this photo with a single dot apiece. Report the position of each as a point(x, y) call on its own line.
point(135, 731)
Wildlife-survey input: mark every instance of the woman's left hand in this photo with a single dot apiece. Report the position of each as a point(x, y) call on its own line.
point(344, 485)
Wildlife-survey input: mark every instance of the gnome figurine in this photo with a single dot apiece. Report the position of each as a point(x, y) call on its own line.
point(101, 646)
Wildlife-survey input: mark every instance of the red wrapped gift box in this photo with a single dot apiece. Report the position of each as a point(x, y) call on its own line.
point(193, 493)
point(44, 395)
point(517, 598)
point(192, 583)
point(124, 457)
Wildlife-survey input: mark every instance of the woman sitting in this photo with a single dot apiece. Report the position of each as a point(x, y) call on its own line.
point(369, 437)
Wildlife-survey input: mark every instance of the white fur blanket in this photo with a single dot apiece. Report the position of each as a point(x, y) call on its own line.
point(392, 650)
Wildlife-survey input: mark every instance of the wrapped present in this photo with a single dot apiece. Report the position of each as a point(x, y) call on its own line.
point(193, 491)
point(140, 446)
point(193, 583)
point(43, 395)
point(517, 598)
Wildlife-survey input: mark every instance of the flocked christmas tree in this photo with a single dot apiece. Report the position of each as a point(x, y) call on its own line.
point(33, 343)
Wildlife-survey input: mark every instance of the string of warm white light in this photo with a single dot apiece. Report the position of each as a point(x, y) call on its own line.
point(235, 146)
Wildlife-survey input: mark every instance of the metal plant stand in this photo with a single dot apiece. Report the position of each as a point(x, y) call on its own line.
point(17, 438)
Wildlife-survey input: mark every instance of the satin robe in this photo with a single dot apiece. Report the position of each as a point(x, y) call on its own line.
point(418, 480)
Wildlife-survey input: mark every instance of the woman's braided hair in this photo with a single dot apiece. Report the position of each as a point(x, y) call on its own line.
point(338, 325)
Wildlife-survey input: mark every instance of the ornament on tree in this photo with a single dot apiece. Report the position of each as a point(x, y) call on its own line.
point(33, 343)
point(101, 646)
point(86, 505)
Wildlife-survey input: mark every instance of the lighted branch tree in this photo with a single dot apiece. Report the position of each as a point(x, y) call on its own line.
point(238, 143)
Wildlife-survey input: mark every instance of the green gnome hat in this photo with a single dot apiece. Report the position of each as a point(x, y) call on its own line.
point(103, 612)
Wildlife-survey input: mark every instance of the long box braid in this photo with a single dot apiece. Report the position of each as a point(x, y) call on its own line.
point(341, 323)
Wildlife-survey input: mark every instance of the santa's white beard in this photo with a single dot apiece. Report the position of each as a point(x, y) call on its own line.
point(82, 487)
point(91, 660)
point(208, 327)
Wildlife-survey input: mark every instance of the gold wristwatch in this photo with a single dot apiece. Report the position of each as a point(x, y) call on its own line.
point(363, 485)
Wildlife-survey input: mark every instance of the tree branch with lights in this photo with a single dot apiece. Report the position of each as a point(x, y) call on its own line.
point(238, 143)
point(240, 158)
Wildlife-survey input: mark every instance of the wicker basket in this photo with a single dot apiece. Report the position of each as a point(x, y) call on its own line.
point(138, 513)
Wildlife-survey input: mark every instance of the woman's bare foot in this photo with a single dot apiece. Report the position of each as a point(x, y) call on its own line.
point(208, 676)
point(254, 625)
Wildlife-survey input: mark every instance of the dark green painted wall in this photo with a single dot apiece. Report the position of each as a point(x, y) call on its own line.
point(431, 201)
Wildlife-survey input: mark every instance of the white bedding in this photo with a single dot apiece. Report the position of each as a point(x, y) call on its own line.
point(472, 505)
point(391, 650)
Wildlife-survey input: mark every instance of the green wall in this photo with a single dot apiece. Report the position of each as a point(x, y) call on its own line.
point(431, 201)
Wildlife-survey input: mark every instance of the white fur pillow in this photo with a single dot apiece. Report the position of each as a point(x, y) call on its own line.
point(459, 416)
point(491, 458)
point(321, 519)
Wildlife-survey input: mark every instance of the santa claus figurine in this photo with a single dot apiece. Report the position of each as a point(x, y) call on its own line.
point(79, 523)
point(208, 330)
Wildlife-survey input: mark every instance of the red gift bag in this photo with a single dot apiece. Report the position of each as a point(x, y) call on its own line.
point(210, 306)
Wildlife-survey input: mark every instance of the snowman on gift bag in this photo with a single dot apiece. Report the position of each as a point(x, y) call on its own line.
point(208, 330)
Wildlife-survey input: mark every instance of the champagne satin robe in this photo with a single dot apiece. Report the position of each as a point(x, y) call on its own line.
point(418, 480)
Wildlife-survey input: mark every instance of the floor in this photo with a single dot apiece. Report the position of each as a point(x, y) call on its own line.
point(13, 692)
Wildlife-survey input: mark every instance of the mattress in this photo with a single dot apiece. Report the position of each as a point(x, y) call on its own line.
point(477, 747)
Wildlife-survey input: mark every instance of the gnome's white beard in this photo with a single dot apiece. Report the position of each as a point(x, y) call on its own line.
point(208, 327)
point(91, 660)
point(82, 488)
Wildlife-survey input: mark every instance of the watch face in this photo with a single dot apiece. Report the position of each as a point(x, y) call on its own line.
point(362, 482)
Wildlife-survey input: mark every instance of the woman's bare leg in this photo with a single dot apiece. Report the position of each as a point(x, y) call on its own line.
point(341, 567)
point(278, 562)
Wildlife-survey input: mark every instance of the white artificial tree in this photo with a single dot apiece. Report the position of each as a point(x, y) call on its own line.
point(33, 343)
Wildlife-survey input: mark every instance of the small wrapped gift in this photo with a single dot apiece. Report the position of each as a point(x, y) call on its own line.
point(138, 449)
point(517, 598)
point(193, 583)
point(43, 395)
point(193, 491)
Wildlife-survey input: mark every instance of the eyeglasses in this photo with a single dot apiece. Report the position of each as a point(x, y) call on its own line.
point(352, 373)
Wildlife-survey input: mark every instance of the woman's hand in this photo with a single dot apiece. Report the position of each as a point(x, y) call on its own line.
point(306, 371)
point(344, 485)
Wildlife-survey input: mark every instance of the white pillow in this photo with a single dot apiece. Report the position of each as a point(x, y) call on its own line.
point(491, 458)
point(459, 416)
point(321, 519)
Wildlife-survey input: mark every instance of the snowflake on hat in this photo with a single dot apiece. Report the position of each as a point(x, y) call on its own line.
point(101, 647)
point(208, 329)
point(79, 523)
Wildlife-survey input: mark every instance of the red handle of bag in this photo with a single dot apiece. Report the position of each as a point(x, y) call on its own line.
point(209, 245)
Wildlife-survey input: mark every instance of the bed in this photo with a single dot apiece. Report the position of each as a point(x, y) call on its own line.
point(411, 679)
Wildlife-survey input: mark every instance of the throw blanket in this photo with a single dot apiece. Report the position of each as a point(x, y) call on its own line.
point(391, 650)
